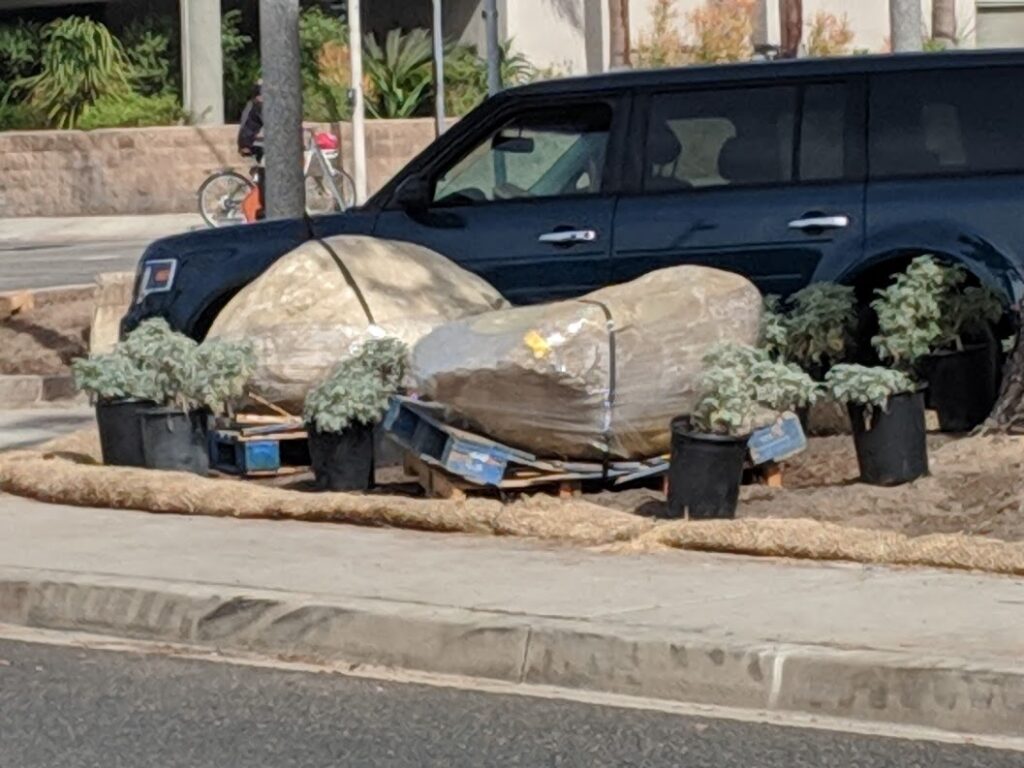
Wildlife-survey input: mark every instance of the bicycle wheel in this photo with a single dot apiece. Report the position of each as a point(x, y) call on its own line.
point(221, 196)
point(319, 198)
point(346, 187)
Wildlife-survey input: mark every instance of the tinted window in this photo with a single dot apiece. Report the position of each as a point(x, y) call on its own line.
point(948, 122)
point(541, 153)
point(824, 145)
point(734, 137)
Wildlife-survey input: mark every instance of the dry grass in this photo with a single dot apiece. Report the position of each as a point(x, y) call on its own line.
point(968, 515)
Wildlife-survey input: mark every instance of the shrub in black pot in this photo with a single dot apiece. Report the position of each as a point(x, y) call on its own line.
point(121, 387)
point(815, 328)
point(342, 411)
point(742, 389)
point(930, 320)
point(155, 392)
point(887, 414)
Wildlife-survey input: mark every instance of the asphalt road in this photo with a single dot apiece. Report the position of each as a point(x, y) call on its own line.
point(44, 265)
point(65, 706)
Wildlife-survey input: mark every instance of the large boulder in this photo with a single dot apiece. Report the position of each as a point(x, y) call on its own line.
point(316, 304)
point(594, 378)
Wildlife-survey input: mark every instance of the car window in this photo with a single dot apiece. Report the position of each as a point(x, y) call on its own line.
point(946, 122)
point(734, 137)
point(823, 128)
point(540, 153)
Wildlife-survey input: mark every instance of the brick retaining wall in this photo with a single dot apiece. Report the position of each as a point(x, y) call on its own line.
point(155, 170)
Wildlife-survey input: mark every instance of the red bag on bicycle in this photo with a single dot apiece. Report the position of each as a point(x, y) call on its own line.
point(252, 205)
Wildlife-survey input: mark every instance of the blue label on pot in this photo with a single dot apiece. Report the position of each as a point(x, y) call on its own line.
point(785, 438)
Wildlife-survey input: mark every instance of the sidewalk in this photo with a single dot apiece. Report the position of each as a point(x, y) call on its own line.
point(936, 649)
point(25, 427)
point(74, 229)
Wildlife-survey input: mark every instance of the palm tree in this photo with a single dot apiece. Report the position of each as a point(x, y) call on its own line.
point(944, 22)
point(791, 14)
point(618, 37)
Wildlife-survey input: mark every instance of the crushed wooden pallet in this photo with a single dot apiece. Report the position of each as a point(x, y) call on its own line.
point(451, 462)
point(259, 447)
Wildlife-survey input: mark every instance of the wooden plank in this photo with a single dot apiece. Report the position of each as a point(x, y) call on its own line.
point(771, 475)
point(433, 481)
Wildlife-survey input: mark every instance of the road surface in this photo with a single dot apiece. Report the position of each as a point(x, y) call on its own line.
point(45, 265)
point(68, 707)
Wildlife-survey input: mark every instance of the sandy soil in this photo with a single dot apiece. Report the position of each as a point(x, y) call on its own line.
point(46, 339)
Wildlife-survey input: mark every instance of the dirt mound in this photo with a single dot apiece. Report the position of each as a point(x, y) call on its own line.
point(968, 515)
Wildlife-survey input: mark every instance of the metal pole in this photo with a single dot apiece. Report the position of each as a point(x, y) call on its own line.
point(493, 47)
point(282, 108)
point(438, 68)
point(355, 46)
point(906, 24)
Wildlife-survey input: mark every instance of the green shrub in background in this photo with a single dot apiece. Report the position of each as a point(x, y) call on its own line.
point(21, 117)
point(465, 75)
point(133, 110)
point(323, 44)
point(20, 51)
point(241, 64)
point(153, 47)
point(400, 71)
point(81, 63)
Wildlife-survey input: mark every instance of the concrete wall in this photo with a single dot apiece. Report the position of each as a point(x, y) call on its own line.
point(155, 170)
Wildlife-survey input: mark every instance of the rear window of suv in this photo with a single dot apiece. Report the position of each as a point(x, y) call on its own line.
point(946, 122)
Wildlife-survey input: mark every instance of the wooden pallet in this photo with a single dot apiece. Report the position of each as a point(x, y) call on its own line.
point(451, 462)
point(260, 448)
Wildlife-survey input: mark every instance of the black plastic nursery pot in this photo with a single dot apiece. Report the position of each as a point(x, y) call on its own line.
point(120, 431)
point(891, 444)
point(342, 461)
point(175, 440)
point(962, 386)
point(704, 474)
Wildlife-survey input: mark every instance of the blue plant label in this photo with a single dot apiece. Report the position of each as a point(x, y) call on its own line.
point(782, 440)
point(478, 464)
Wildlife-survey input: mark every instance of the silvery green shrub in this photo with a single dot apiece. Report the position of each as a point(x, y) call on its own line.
point(156, 363)
point(862, 385)
point(358, 389)
point(927, 309)
point(774, 331)
point(744, 389)
point(820, 324)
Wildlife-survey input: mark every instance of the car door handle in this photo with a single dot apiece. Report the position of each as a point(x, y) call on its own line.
point(569, 236)
point(820, 222)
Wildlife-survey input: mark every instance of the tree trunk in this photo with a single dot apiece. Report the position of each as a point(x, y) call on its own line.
point(906, 25)
point(618, 27)
point(791, 16)
point(282, 108)
point(944, 22)
point(1008, 414)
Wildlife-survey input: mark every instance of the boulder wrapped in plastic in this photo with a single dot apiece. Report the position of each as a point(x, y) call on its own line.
point(599, 377)
point(316, 304)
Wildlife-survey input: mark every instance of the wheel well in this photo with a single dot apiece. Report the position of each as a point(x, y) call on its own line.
point(202, 326)
point(879, 276)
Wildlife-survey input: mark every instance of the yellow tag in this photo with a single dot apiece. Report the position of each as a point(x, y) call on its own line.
point(538, 344)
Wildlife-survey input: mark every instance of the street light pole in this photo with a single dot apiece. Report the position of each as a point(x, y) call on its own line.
point(355, 47)
point(438, 67)
point(282, 108)
point(906, 25)
point(493, 47)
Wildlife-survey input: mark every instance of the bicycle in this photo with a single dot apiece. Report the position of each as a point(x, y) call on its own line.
point(228, 198)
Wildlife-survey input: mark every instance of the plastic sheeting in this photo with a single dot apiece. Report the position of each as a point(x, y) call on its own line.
point(599, 377)
point(315, 305)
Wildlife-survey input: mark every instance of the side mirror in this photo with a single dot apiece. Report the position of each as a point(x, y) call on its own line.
point(413, 194)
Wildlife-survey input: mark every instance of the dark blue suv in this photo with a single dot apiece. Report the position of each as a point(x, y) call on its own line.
point(787, 172)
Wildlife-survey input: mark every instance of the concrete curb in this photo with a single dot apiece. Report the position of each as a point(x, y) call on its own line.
point(967, 697)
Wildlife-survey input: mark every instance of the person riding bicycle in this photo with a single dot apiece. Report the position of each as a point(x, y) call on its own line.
point(250, 144)
point(250, 128)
